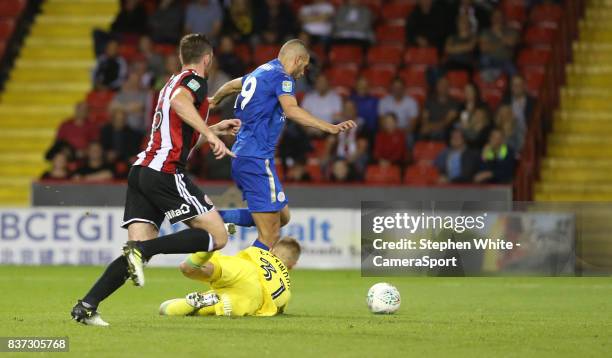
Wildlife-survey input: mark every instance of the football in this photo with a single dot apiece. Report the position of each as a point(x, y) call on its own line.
point(383, 298)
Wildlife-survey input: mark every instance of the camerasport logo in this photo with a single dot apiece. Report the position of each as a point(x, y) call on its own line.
point(184, 209)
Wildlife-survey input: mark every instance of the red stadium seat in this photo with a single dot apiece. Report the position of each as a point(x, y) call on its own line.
point(418, 93)
point(396, 11)
point(421, 56)
point(346, 54)
point(2, 48)
point(265, 53)
point(539, 36)
point(314, 170)
point(384, 54)
point(413, 77)
point(534, 82)
point(491, 96)
point(98, 102)
point(129, 52)
point(380, 76)
point(12, 8)
point(244, 52)
point(515, 13)
point(421, 174)
point(319, 51)
point(427, 151)
point(391, 34)
point(342, 76)
point(383, 174)
point(546, 15)
point(319, 148)
point(458, 79)
point(534, 57)
point(501, 82)
point(6, 28)
point(164, 49)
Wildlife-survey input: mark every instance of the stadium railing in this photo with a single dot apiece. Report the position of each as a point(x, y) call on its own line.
point(528, 171)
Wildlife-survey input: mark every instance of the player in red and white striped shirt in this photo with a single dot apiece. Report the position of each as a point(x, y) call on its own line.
point(158, 187)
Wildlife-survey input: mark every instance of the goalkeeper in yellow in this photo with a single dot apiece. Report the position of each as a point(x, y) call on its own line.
point(254, 282)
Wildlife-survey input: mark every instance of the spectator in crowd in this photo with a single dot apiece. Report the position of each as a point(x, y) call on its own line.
point(140, 69)
point(316, 19)
point(471, 103)
point(457, 163)
point(367, 106)
point(512, 128)
point(119, 141)
point(297, 173)
point(461, 46)
point(216, 79)
point(350, 145)
point(440, 113)
point(404, 107)
point(476, 130)
point(154, 61)
point(59, 168)
point(323, 102)
point(204, 17)
point(275, 22)
point(171, 66)
point(95, 167)
point(477, 14)
point(238, 20)
point(78, 131)
point(521, 102)
point(111, 69)
point(497, 46)
point(497, 161)
point(166, 23)
point(132, 99)
point(229, 62)
point(390, 143)
point(353, 24)
point(342, 172)
point(132, 18)
point(426, 25)
point(294, 143)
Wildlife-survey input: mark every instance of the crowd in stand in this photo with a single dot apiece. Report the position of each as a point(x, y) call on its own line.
point(468, 137)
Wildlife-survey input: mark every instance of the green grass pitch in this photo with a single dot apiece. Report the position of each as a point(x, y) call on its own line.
point(328, 317)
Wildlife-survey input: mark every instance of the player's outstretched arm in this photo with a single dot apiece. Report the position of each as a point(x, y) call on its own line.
point(182, 103)
point(293, 111)
point(230, 87)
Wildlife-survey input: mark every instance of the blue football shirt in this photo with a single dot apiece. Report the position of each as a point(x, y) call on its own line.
point(259, 109)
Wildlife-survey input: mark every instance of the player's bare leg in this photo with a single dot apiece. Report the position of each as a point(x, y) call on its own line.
point(268, 227)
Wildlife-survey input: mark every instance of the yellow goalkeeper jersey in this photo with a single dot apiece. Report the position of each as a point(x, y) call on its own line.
point(274, 278)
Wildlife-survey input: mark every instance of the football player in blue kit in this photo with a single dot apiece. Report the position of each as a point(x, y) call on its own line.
point(266, 99)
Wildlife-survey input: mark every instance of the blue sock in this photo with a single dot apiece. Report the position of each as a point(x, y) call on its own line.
point(260, 245)
point(240, 217)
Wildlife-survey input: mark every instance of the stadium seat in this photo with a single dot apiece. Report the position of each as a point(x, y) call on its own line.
point(129, 52)
point(421, 56)
point(342, 76)
point(12, 8)
point(515, 13)
point(265, 53)
point(346, 54)
point(546, 15)
point(396, 12)
point(413, 77)
point(427, 150)
point(244, 52)
point(421, 174)
point(319, 148)
point(458, 79)
point(379, 76)
point(383, 174)
point(533, 82)
point(391, 34)
point(98, 102)
point(2, 48)
point(319, 51)
point(501, 82)
point(491, 96)
point(533, 57)
point(314, 170)
point(539, 36)
point(384, 54)
point(6, 28)
point(164, 49)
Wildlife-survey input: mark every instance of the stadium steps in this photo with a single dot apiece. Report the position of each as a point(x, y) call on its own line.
point(578, 163)
point(51, 74)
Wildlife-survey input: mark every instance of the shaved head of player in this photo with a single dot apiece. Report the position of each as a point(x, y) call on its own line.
point(295, 58)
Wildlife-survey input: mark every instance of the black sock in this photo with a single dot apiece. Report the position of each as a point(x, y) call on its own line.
point(114, 277)
point(183, 242)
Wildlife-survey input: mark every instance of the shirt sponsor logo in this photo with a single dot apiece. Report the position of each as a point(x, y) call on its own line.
point(184, 209)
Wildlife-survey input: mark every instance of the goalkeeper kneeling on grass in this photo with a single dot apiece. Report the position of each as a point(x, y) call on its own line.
point(254, 282)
